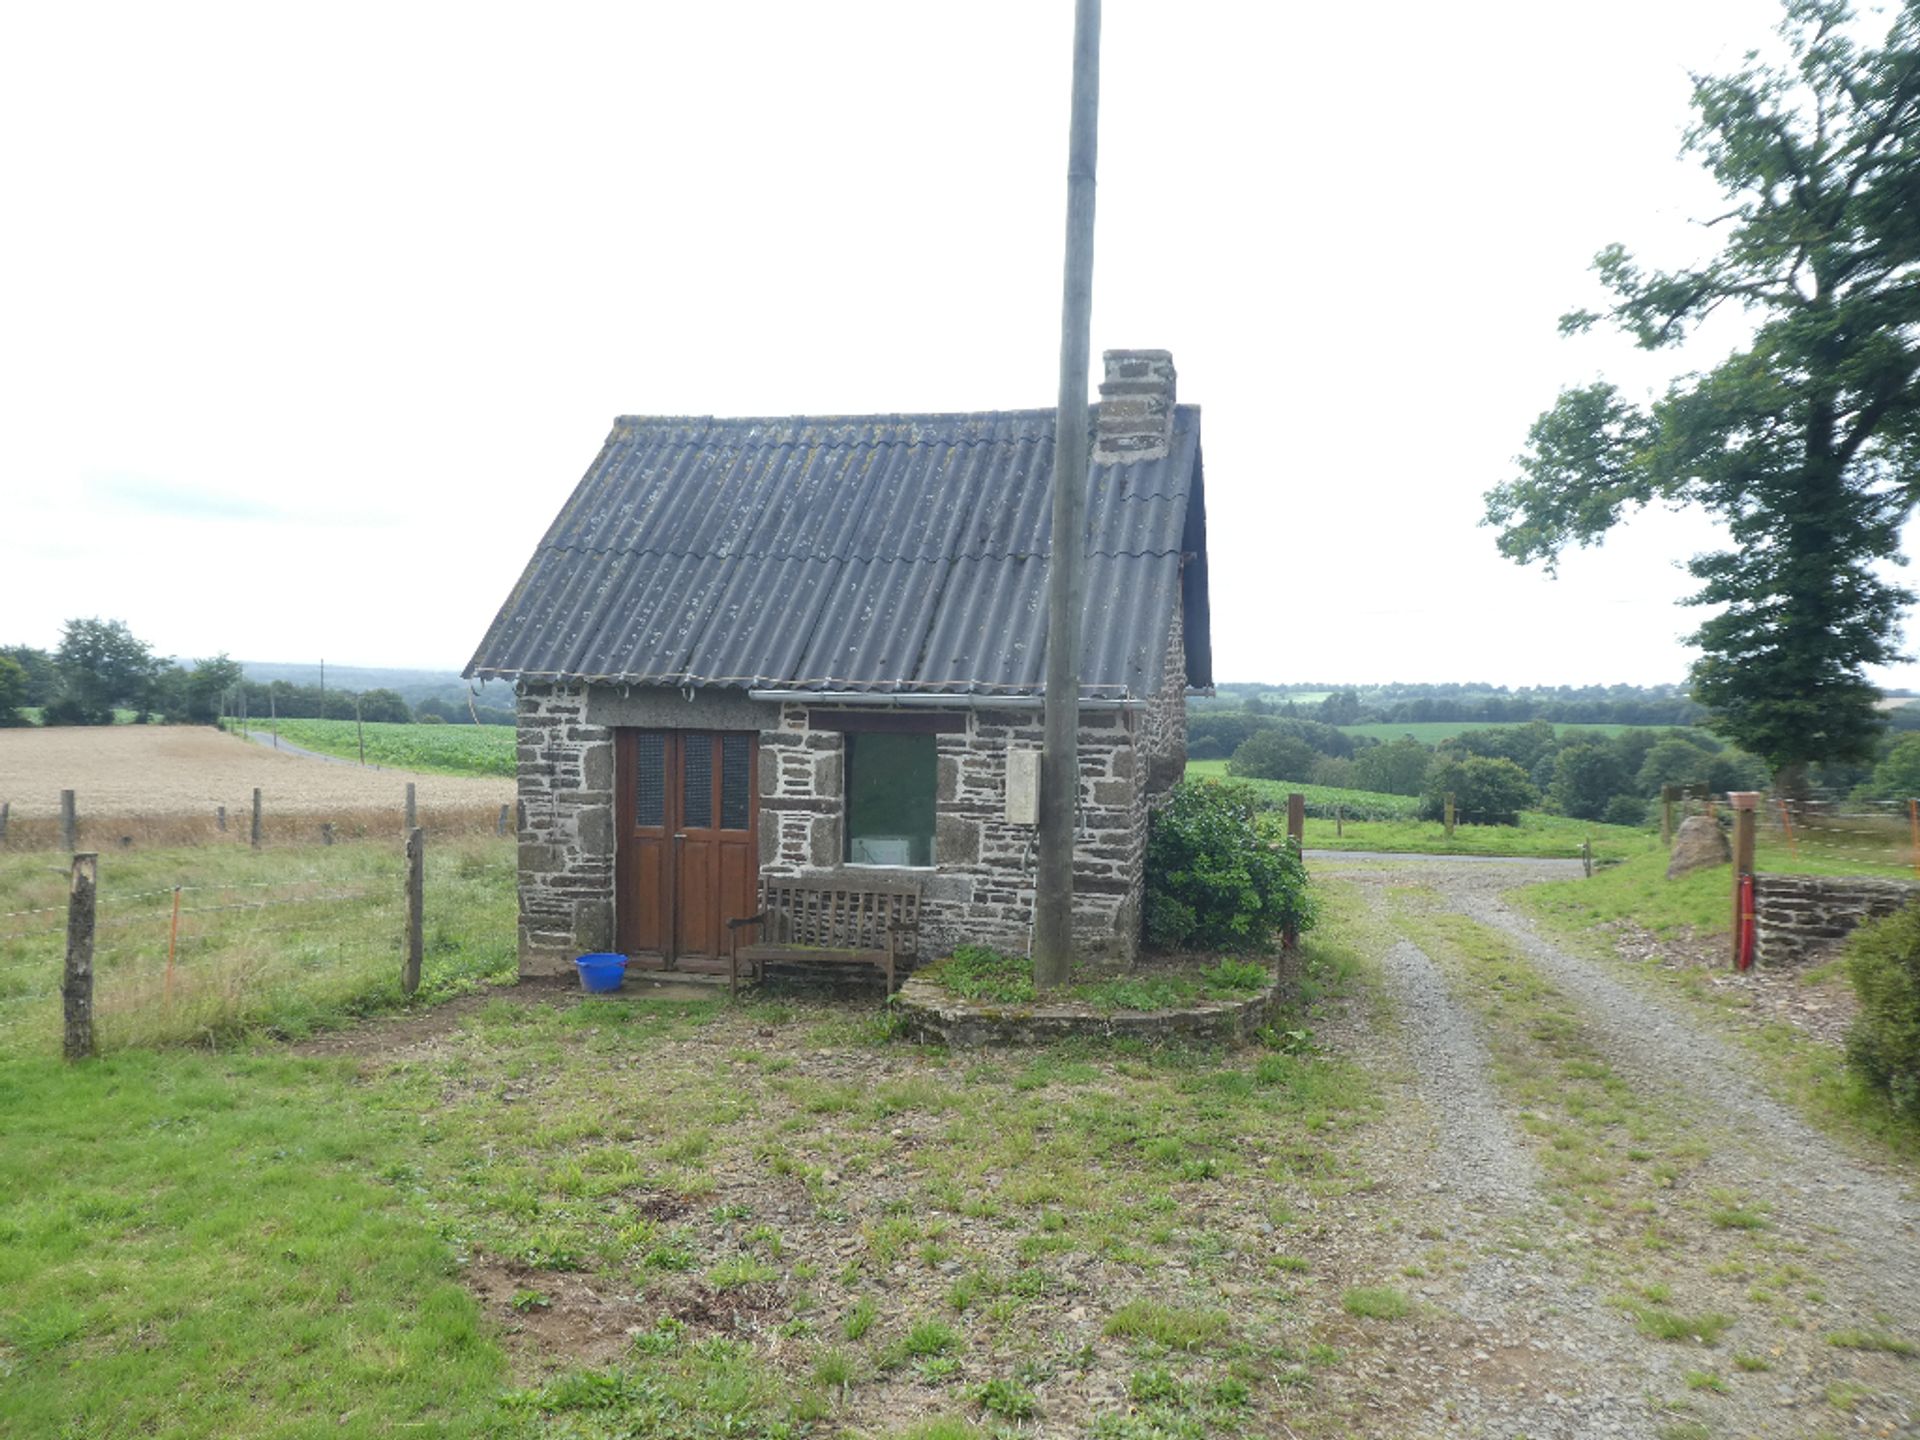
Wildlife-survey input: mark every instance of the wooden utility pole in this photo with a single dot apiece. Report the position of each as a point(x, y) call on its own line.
point(76, 987)
point(416, 910)
point(1060, 765)
point(1296, 842)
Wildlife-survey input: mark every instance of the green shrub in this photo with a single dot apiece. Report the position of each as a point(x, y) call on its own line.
point(1626, 810)
point(1214, 880)
point(1399, 767)
point(1485, 790)
point(1585, 777)
point(1272, 755)
point(1883, 1047)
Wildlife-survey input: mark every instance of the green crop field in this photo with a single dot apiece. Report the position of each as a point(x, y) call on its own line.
point(1432, 732)
point(1321, 799)
point(433, 749)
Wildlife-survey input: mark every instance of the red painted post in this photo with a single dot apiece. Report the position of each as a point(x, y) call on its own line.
point(1746, 810)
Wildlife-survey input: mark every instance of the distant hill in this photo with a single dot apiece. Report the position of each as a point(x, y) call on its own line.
point(413, 686)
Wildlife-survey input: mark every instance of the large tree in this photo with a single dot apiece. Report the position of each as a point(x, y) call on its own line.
point(1804, 442)
point(102, 664)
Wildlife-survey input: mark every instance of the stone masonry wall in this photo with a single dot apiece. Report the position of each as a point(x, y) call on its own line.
point(1799, 918)
point(565, 775)
point(981, 887)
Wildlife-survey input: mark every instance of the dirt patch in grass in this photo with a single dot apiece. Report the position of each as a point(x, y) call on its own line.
point(552, 1320)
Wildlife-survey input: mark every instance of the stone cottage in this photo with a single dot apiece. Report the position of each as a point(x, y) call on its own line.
point(815, 646)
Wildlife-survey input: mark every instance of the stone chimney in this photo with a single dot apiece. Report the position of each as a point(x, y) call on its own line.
point(1136, 407)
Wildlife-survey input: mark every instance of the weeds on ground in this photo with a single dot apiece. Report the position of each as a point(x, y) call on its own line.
point(977, 972)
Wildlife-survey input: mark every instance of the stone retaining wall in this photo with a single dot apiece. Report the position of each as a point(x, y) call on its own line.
point(930, 1013)
point(1799, 919)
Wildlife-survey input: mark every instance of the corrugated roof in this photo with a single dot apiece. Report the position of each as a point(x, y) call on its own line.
point(884, 553)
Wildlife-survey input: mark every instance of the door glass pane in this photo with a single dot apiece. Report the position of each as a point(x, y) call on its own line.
point(649, 780)
point(696, 809)
point(735, 750)
point(890, 799)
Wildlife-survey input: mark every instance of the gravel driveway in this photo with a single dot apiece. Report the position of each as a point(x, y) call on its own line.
point(1831, 1250)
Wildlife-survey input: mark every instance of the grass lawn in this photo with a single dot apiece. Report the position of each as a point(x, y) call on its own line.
point(677, 1219)
point(1387, 822)
point(1537, 836)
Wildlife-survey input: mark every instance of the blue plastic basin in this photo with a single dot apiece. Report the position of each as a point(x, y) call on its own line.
point(600, 973)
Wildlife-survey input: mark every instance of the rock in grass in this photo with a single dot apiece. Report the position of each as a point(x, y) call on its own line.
point(1697, 844)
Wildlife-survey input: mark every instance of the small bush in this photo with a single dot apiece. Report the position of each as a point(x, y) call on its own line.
point(1883, 1047)
point(1485, 791)
point(1271, 755)
point(1626, 810)
point(1214, 880)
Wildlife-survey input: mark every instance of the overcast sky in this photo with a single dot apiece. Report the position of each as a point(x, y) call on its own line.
point(311, 317)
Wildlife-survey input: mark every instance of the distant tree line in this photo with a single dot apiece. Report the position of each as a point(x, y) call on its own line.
point(1398, 704)
point(100, 668)
point(1496, 772)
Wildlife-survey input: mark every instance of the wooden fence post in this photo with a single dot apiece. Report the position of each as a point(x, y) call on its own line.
point(1746, 805)
point(326, 832)
point(1586, 857)
point(6, 806)
point(416, 906)
point(220, 818)
point(69, 822)
point(1339, 826)
point(255, 834)
point(1913, 819)
point(1297, 841)
point(499, 826)
point(1666, 816)
point(413, 810)
point(76, 986)
point(1449, 817)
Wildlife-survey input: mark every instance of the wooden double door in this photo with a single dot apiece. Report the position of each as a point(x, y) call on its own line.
point(687, 856)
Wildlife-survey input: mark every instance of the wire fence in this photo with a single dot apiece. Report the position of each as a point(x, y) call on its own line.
point(281, 824)
point(1844, 834)
point(280, 940)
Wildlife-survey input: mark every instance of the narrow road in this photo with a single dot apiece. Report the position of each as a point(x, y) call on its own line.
point(1773, 1226)
point(285, 746)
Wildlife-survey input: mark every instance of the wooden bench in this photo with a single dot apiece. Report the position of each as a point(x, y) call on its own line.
point(834, 920)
